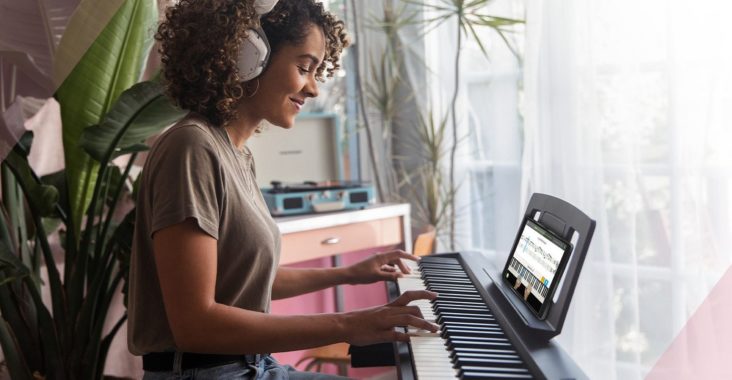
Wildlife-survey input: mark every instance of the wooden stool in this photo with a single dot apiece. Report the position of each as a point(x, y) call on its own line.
point(424, 244)
point(333, 354)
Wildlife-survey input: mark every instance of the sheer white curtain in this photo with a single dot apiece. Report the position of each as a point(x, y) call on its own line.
point(488, 160)
point(627, 116)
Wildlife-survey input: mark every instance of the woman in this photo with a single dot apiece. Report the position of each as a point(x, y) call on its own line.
point(204, 264)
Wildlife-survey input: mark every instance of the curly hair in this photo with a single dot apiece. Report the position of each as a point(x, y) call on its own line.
point(200, 42)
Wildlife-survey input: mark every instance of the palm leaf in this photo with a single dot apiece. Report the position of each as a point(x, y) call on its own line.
point(88, 19)
point(43, 201)
point(42, 197)
point(113, 63)
point(104, 347)
point(16, 365)
point(46, 328)
point(140, 112)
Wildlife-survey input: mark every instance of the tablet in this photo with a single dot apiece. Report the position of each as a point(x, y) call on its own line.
point(535, 266)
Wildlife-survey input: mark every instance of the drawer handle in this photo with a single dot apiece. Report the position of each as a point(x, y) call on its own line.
point(331, 241)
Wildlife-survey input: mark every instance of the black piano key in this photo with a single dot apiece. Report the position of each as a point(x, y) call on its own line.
point(452, 288)
point(458, 312)
point(457, 318)
point(444, 274)
point(463, 362)
point(471, 325)
point(458, 308)
point(475, 333)
point(437, 273)
point(446, 334)
point(457, 297)
point(466, 303)
point(468, 350)
point(452, 343)
point(439, 265)
point(476, 354)
point(476, 375)
point(467, 314)
point(441, 269)
point(468, 309)
point(456, 283)
point(473, 338)
point(494, 369)
point(450, 280)
point(440, 301)
point(448, 284)
point(437, 259)
point(445, 309)
point(444, 277)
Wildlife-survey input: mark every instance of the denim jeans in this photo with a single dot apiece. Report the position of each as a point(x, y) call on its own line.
point(267, 369)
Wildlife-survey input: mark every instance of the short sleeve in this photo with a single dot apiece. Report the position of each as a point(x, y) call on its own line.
point(186, 180)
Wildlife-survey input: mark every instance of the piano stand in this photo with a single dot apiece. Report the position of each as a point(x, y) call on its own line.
point(375, 355)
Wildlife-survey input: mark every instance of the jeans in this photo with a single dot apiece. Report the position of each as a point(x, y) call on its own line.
point(267, 369)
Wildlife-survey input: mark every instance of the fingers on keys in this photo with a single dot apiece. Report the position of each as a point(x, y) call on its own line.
point(412, 295)
point(397, 258)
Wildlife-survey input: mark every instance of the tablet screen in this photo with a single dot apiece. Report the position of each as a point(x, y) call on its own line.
point(536, 263)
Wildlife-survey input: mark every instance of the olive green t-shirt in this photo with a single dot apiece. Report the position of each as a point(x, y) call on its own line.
point(194, 171)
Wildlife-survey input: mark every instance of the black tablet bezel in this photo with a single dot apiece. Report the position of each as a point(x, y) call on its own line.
point(542, 312)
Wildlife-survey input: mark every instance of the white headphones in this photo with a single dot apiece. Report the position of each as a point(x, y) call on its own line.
point(254, 50)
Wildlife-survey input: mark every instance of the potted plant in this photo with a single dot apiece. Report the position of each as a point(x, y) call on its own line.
point(429, 185)
point(105, 115)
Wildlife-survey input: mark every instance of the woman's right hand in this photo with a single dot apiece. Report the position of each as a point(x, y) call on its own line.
point(376, 325)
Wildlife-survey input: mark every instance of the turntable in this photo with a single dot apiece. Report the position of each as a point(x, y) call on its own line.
point(308, 197)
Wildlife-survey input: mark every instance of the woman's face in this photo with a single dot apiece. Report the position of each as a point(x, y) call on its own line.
point(289, 80)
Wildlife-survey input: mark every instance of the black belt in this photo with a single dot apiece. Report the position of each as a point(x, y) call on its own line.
point(163, 361)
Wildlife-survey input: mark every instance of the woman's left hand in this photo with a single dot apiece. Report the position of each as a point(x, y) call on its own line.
point(380, 267)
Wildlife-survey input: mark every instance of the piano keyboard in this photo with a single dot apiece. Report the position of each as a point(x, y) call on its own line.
point(470, 343)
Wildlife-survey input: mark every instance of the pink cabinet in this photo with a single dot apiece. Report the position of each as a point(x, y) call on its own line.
point(313, 240)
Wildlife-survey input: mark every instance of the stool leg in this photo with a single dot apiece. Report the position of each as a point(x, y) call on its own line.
point(343, 369)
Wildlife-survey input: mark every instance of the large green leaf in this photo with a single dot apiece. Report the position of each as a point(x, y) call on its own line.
point(42, 197)
point(13, 358)
point(112, 64)
point(140, 112)
point(45, 324)
point(88, 20)
point(43, 202)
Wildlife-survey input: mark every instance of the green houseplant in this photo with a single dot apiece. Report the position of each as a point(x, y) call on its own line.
point(105, 115)
point(430, 191)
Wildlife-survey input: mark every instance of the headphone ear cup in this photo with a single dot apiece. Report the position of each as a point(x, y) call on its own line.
point(253, 55)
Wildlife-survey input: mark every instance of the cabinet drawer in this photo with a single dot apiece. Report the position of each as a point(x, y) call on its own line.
point(306, 245)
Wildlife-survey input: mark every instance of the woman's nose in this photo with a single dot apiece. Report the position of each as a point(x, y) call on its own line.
point(311, 87)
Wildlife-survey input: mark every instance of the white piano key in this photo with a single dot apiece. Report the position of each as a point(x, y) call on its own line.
point(431, 358)
point(407, 283)
point(413, 331)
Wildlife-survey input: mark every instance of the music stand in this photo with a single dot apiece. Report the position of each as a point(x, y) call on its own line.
point(564, 220)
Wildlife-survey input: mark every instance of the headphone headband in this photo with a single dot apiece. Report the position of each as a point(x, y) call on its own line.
point(264, 6)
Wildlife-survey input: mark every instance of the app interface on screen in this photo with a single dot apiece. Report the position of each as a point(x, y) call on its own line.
point(534, 264)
